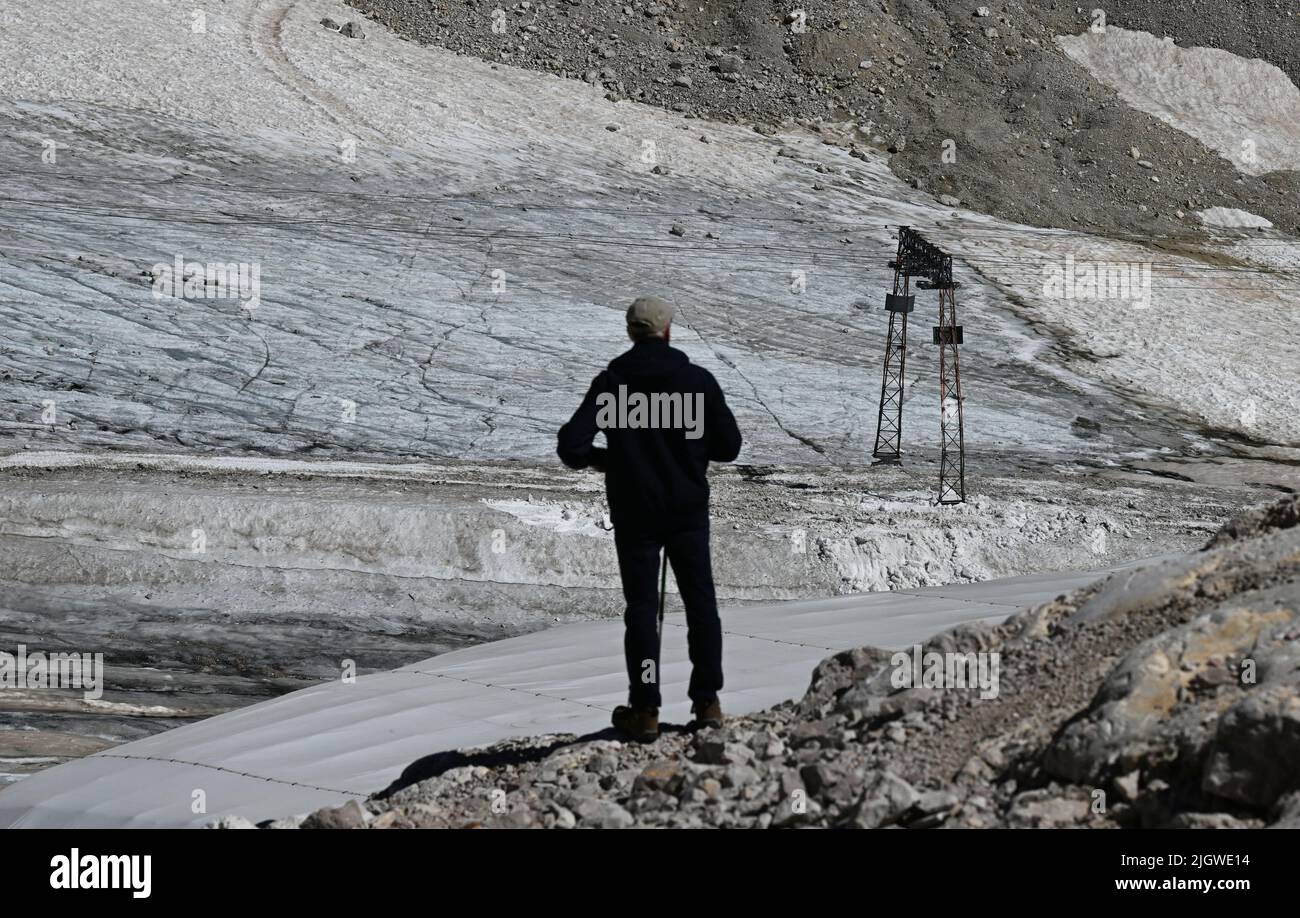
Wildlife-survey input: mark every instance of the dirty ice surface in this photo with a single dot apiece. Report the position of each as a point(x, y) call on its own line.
point(443, 248)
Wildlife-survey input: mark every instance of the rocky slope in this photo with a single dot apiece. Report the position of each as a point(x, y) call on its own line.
point(1031, 136)
point(1169, 696)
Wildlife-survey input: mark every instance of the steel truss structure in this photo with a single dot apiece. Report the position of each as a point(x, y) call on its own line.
point(919, 258)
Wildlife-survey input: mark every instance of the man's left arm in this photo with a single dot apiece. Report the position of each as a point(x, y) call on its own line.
point(723, 435)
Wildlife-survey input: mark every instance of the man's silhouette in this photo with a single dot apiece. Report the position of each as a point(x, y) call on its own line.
point(664, 420)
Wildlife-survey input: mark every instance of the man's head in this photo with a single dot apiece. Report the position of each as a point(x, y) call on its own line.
point(649, 317)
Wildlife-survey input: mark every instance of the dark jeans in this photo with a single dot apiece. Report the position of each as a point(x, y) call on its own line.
point(638, 563)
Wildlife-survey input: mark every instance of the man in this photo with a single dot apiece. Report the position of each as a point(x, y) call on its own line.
point(658, 492)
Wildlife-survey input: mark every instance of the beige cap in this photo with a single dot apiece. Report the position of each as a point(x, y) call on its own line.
point(649, 315)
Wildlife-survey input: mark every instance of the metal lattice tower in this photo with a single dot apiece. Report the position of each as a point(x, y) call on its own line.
point(889, 421)
point(918, 257)
point(952, 436)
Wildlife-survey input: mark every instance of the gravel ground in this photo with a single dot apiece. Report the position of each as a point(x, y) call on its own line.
point(1169, 697)
point(1037, 140)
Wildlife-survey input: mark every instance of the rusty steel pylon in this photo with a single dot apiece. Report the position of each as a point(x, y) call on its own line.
point(918, 257)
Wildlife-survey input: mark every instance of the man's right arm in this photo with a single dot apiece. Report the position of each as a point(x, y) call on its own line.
point(576, 442)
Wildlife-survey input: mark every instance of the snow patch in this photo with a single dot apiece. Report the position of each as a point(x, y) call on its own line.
point(1232, 217)
point(557, 517)
point(1246, 110)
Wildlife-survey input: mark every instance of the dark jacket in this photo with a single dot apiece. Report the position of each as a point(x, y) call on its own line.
point(655, 478)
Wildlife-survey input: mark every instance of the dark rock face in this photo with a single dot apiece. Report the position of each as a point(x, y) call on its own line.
point(1168, 696)
point(987, 111)
point(1284, 514)
point(1254, 758)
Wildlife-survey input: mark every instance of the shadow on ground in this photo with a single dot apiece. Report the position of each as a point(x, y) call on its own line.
point(431, 766)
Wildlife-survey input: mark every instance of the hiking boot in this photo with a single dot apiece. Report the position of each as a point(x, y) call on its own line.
point(640, 723)
point(708, 714)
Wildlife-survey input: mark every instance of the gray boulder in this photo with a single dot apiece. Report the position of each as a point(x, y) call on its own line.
point(599, 813)
point(350, 815)
point(1255, 756)
point(1158, 710)
point(885, 798)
